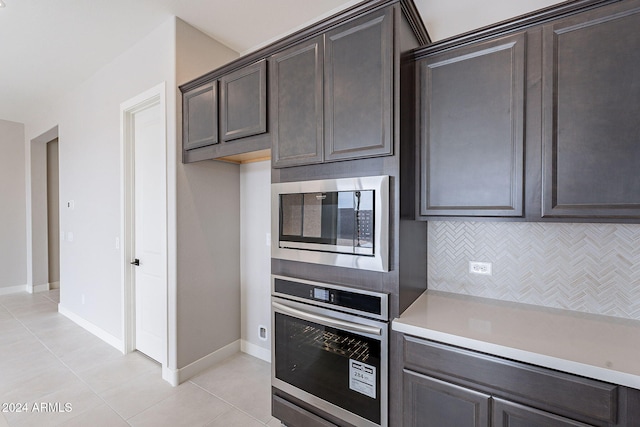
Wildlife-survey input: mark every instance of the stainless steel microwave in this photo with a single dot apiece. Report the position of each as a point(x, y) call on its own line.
point(342, 222)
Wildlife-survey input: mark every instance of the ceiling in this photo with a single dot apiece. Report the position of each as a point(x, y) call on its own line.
point(48, 46)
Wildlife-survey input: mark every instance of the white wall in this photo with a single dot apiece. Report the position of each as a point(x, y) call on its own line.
point(208, 226)
point(13, 227)
point(88, 120)
point(203, 216)
point(255, 256)
point(204, 199)
point(449, 18)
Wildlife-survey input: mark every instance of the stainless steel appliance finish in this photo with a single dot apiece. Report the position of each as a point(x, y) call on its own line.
point(342, 222)
point(334, 360)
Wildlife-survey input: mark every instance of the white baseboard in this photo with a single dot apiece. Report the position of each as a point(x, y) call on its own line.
point(41, 288)
point(256, 351)
point(95, 330)
point(13, 289)
point(54, 285)
point(176, 377)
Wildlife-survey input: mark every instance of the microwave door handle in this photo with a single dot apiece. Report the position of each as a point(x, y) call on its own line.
point(327, 321)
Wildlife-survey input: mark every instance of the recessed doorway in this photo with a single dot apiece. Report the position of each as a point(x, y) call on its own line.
point(53, 214)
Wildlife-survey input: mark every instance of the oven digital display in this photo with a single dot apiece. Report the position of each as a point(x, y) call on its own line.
point(321, 294)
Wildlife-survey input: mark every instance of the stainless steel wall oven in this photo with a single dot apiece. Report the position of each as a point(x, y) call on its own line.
point(330, 348)
point(342, 222)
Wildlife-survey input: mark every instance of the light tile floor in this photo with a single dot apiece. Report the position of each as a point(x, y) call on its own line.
point(47, 359)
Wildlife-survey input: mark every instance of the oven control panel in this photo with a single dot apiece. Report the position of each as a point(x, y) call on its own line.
point(322, 294)
point(357, 301)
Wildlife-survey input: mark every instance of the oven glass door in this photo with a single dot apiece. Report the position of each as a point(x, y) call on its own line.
point(342, 367)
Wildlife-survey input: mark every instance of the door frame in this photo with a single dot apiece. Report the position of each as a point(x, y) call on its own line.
point(152, 97)
point(36, 191)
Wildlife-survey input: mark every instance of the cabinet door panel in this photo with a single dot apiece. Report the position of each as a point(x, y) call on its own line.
point(243, 102)
point(591, 98)
point(429, 402)
point(472, 140)
point(296, 104)
point(554, 391)
point(509, 414)
point(358, 88)
point(200, 116)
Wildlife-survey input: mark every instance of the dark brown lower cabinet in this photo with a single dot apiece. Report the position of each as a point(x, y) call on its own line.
point(447, 386)
point(509, 414)
point(429, 402)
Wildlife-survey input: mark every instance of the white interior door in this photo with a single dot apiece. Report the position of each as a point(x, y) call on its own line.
point(150, 232)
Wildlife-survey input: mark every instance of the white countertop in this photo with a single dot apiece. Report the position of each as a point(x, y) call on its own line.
point(600, 347)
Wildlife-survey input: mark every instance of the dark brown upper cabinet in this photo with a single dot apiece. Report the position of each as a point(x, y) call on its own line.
point(534, 119)
point(472, 103)
point(358, 86)
point(332, 96)
point(327, 92)
point(243, 102)
point(297, 120)
point(200, 116)
point(226, 115)
point(591, 114)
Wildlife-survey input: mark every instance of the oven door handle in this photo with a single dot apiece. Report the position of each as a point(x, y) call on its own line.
point(328, 321)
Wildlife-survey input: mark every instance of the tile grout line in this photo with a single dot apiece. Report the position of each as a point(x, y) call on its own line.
point(227, 402)
point(144, 409)
point(99, 395)
point(62, 362)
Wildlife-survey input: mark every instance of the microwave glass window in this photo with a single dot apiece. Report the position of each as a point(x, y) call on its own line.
point(291, 212)
point(312, 214)
point(341, 218)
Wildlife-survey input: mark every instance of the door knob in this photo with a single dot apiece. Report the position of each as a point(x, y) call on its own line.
point(135, 262)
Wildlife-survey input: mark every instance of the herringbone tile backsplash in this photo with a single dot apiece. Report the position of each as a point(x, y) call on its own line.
point(593, 268)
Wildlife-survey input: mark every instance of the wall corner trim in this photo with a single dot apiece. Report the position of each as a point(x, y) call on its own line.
point(171, 376)
point(40, 288)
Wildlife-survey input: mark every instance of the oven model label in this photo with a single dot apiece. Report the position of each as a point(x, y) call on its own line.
point(362, 378)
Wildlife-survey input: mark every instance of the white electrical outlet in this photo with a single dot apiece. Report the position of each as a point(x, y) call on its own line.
point(262, 333)
point(477, 267)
